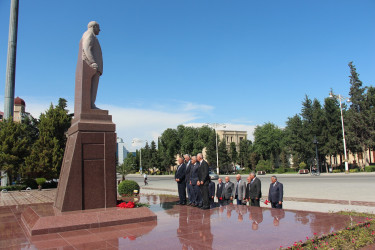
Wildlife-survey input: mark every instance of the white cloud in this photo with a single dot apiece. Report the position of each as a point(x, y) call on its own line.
point(189, 106)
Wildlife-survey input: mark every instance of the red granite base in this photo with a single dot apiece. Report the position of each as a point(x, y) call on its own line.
point(47, 219)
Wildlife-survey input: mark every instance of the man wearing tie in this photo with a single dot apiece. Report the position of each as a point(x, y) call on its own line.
point(180, 179)
point(196, 194)
point(227, 192)
point(219, 192)
point(275, 195)
point(254, 190)
point(239, 190)
point(189, 187)
point(203, 180)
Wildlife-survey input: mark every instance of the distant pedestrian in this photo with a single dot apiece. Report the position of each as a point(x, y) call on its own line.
point(276, 193)
point(145, 179)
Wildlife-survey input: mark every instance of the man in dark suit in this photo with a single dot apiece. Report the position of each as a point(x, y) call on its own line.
point(276, 193)
point(254, 190)
point(196, 194)
point(227, 191)
point(189, 187)
point(180, 179)
point(204, 180)
point(219, 191)
point(211, 193)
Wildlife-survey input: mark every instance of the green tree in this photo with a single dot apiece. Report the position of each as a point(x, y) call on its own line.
point(154, 157)
point(233, 152)
point(128, 166)
point(267, 142)
point(358, 116)
point(14, 147)
point(47, 152)
point(224, 160)
point(244, 154)
point(169, 148)
point(211, 150)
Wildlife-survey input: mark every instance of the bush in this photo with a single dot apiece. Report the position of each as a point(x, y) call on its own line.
point(355, 170)
point(281, 170)
point(302, 165)
point(127, 187)
point(336, 171)
point(30, 183)
point(13, 187)
point(264, 166)
point(40, 181)
point(370, 169)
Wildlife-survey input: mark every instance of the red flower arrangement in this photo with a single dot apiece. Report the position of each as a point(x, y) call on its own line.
point(266, 202)
point(126, 205)
point(220, 198)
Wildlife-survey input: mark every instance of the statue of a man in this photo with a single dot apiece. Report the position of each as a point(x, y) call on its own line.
point(92, 55)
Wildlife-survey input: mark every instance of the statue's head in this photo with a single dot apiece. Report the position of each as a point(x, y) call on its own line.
point(94, 26)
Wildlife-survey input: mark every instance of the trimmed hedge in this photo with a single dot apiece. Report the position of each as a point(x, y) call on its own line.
point(127, 187)
point(13, 187)
point(370, 169)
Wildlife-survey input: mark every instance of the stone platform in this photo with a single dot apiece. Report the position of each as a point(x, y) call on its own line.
point(46, 219)
point(182, 227)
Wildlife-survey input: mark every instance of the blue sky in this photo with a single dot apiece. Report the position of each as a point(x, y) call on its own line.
point(173, 62)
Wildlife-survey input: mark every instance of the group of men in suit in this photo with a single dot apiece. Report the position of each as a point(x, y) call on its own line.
point(192, 174)
point(248, 193)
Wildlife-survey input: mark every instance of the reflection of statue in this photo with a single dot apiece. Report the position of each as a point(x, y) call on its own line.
point(92, 55)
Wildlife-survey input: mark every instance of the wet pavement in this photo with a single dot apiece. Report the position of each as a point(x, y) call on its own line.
point(182, 227)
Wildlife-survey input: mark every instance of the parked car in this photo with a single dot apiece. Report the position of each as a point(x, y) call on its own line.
point(213, 175)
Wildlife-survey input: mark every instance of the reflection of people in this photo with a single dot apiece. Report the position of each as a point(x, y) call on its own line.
point(189, 187)
point(254, 190)
point(277, 215)
point(256, 215)
point(227, 192)
point(275, 195)
point(196, 194)
point(92, 55)
point(219, 191)
point(239, 190)
point(204, 179)
point(211, 192)
point(180, 179)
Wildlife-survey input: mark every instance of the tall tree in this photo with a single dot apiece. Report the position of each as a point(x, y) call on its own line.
point(224, 160)
point(233, 153)
point(47, 152)
point(358, 132)
point(14, 147)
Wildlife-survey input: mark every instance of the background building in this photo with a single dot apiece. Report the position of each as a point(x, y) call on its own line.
point(122, 152)
point(19, 110)
point(232, 136)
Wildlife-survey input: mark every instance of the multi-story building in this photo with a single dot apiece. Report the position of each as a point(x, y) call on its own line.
point(122, 152)
point(232, 136)
point(19, 112)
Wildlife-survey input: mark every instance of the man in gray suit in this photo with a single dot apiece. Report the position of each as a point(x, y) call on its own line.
point(227, 191)
point(239, 190)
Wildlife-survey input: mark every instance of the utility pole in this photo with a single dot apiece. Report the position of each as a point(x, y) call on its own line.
point(11, 60)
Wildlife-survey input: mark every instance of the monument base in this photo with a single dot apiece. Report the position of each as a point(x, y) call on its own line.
point(47, 219)
point(88, 173)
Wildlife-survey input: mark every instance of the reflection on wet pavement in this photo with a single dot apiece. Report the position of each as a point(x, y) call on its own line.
point(183, 227)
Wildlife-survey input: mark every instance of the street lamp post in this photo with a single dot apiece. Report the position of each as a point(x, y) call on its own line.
point(140, 153)
point(340, 98)
point(316, 151)
point(215, 126)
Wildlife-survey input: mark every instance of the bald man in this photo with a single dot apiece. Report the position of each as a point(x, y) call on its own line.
point(239, 190)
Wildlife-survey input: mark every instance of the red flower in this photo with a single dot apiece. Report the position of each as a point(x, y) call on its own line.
point(126, 205)
point(220, 198)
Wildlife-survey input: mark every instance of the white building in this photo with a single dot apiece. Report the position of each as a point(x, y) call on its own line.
point(122, 152)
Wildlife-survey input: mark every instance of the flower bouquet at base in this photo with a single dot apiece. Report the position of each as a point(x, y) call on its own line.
point(266, 202)
point(130, 204)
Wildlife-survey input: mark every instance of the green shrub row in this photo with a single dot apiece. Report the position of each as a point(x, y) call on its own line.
point(370, 169)
point(13, 187)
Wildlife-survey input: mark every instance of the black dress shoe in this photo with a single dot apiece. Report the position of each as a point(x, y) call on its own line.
point(205, 208)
